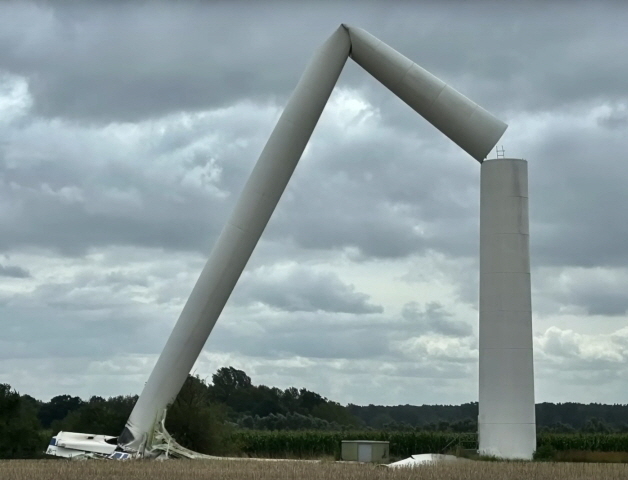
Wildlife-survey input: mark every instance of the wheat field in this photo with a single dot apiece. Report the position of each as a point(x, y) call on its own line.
point(262, 470)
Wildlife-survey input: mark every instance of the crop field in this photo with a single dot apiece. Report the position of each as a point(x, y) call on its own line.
point(317, 444)
point(278, 470)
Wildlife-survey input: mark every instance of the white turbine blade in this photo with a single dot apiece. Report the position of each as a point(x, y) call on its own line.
point(471, 127)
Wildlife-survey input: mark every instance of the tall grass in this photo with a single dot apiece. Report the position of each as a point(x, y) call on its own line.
point(588, 456)
point(280, 470)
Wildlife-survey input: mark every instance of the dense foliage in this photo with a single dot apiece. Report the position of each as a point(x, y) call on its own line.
point(231, 415)
point(198, 423)
point(20, 435)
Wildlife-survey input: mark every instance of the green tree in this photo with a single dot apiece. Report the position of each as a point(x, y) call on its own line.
point(98, 415)
point(20, 435)
point(596, 425)
point(289, 399)
point(309, 400)
point(334, 412)
point(58, 408)
point(197, 423)
point(380, 420)
point(226, 381)
point(466, 425)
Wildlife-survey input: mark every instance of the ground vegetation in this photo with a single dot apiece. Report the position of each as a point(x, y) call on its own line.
point(229, 414)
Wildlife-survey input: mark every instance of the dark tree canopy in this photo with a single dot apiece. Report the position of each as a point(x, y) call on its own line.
point(196, 422)
point(227, 381)
point(20, 435)
point(58, 408)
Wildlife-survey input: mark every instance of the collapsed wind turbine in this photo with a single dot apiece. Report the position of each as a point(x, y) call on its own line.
point(467, 124)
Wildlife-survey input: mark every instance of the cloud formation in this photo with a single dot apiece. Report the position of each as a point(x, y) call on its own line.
point(127, 133)
point(14, 271)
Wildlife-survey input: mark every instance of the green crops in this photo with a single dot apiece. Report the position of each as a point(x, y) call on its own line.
point(309, 444)
point(594, 442)
point(306, 444)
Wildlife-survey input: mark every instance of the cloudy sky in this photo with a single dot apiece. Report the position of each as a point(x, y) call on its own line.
point(128, 131)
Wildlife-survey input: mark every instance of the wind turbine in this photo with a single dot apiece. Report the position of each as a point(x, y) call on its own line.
point(506, 386)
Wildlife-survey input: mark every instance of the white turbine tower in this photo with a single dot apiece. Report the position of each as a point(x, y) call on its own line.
point(506, 421)
point(468, 125)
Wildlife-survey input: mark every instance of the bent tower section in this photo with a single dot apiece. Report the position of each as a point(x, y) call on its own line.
point(506, 421)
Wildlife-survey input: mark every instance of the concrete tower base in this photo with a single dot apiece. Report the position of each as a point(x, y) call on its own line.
point(507, 425)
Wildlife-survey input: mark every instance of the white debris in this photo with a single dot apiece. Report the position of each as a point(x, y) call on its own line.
point(423, 459)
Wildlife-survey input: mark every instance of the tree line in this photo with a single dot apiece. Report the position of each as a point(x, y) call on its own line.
point(206, 414)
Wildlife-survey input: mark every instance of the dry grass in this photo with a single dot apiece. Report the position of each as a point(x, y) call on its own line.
point(588, 456)
point(260, 470)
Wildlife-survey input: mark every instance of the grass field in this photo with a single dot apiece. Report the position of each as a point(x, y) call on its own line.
point(262, 470)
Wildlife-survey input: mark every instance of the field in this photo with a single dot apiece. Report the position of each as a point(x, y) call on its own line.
point(278, 470)
point(317, 444)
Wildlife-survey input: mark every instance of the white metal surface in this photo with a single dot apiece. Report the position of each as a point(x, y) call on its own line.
point(424, 459)
point(471, 127)
point(506, 420)
point(84, 445)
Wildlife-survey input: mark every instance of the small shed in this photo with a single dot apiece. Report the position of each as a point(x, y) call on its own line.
point(365, 451)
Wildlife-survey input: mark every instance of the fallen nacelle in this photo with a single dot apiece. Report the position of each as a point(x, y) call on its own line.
point(83, 445)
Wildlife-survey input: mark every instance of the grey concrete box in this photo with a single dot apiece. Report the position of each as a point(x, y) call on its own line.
point(365, 451)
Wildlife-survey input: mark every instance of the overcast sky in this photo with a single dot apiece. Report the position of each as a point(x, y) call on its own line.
point(127, 132)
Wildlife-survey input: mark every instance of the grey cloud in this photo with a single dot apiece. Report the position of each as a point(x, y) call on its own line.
point(134, 61)
point(434, 318)
point(83, 376)
point(14, 271)
point(523, 59)
point(203, 83)
point(569, 350)
point(103, 307)
point(91, 188)
point(605, 303)
point(295, 288)
point(575, 192)
point(371, 192)
point(430, 202)
point(615, 119)
point(332, 342)
point(332, 335)
point(89, 325)
point(593, 291)
point(350, 381)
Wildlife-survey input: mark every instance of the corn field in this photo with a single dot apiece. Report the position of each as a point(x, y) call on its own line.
point(594, 442)
point(313, 444)
point(283, 470)
point(317, 444)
